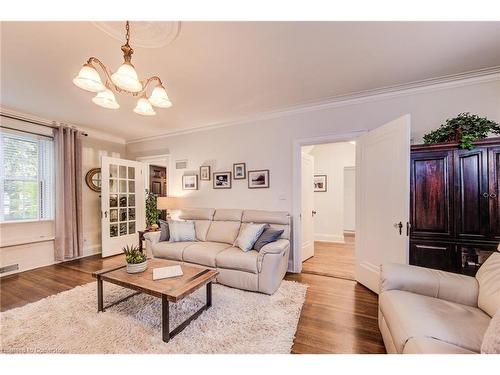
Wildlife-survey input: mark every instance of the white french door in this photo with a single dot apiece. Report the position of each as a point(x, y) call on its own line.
point(382, 199)
point(306, 214)
point(122, 203)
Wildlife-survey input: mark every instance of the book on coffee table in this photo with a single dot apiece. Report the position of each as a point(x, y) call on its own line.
point(166, 272)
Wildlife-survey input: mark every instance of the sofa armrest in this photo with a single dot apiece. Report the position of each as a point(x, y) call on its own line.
point(429, 282)
point(153, 237)
point(277, 248)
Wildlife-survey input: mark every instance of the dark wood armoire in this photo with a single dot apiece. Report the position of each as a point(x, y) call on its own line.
point(454, 205)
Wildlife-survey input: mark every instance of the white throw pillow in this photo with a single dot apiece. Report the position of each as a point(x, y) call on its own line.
point(181, 230)
point(249, 233)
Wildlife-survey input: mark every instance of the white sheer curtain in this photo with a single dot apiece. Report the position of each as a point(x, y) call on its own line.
point(68, 197)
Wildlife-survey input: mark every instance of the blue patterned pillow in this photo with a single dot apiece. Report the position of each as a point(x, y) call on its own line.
point(269, 235)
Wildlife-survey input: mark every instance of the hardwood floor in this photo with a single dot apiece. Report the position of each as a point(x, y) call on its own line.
point(338, 316)
point(332, 259)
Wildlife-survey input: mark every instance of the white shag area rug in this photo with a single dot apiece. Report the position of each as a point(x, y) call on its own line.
point(237, 322)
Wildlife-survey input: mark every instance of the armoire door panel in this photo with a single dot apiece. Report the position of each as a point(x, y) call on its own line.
point(471, 193)
point(431, 199)
point(494, 191)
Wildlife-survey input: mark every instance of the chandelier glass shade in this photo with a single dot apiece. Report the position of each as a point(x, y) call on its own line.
point(106, 99)
point(89, 79)
point(124, 80)
point(144, 107)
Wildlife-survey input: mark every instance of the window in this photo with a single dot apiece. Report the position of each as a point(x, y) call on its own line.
point(26, 177)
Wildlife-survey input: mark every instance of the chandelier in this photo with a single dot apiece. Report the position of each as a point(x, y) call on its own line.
point(124, 80)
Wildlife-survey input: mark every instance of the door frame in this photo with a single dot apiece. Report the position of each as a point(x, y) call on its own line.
point(160, 160)
point(295, 263)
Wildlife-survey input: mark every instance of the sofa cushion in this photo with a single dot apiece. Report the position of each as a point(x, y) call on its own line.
point(234, 258)
point(223, 231)
point(267, 217)
point(203, 253)
point(249, 233)
point(409, 315)
point(228, 215)
point(201, 228)
point(491, 340)
point(488, 277)
point(428, 345)
point(170, 250)
point(196, 214)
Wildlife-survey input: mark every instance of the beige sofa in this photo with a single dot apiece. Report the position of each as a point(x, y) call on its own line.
point(428, 311)
point(216, 231)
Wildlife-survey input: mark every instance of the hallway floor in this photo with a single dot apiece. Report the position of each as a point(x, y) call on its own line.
point(332, 259)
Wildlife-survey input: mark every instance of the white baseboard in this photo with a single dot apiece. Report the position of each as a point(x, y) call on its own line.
point(91, 250)
point(336, 238)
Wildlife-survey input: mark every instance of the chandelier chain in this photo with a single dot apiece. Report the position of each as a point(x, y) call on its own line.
point(127, 34)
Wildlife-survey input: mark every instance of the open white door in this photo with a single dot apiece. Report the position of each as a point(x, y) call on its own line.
point(306, 215)
point(382, 199)
point(122, 204)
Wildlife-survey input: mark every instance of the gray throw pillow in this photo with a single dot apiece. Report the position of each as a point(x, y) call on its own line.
point(269, 235)
point(165, 232)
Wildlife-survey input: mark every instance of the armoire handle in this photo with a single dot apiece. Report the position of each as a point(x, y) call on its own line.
point(486, 195)
point(493, 195)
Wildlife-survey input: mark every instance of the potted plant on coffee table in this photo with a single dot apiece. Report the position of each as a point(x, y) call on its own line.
point(136, 259)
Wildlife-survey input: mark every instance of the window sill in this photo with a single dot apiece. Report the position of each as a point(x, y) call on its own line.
point(25, 221)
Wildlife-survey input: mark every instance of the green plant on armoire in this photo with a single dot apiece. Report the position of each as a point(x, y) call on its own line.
point(464, 129)
point(152, 213)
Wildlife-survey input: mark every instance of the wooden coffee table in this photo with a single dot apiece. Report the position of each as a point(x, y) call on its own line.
point(169, 290)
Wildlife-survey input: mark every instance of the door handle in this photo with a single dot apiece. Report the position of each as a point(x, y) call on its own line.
point(493, 195)
point(106, 214)
point(399, 226)
point(313, 213)
point(485, 195)
point(408, 227)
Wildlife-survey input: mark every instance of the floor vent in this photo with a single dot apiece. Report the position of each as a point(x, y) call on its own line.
point(12, 267)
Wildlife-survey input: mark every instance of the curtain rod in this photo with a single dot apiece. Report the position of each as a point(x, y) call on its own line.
point(24, 119)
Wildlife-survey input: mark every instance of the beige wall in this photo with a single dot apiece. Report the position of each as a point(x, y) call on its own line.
point(330, 159)
point(42, 253)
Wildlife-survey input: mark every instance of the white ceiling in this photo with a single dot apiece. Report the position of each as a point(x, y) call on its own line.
point(217, 72)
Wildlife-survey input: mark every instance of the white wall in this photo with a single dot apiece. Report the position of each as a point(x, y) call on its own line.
point(42, 253)
point(330, 159)
point(350, 199)
point(268, 143)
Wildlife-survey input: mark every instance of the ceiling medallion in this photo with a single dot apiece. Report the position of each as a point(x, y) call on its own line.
point(124, 80)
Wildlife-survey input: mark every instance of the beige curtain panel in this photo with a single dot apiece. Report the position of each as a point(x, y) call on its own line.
point(68, 221)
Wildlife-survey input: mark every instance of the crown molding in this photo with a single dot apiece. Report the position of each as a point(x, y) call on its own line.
point(427, 85)
point(95, 134)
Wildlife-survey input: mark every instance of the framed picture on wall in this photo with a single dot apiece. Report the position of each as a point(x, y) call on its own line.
point(205, 173)
point(222, 180)
point(258, 179)
point(239, 171)
point(320, 183)
point(190, 182)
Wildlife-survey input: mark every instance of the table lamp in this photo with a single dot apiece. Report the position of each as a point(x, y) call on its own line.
point(167, 203)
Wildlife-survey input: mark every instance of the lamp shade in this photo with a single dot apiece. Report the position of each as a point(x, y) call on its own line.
point(144, 107)
point(106, 99)
point(126, 78)
point(167, 203)
point(159, 98)
point(88, 79)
